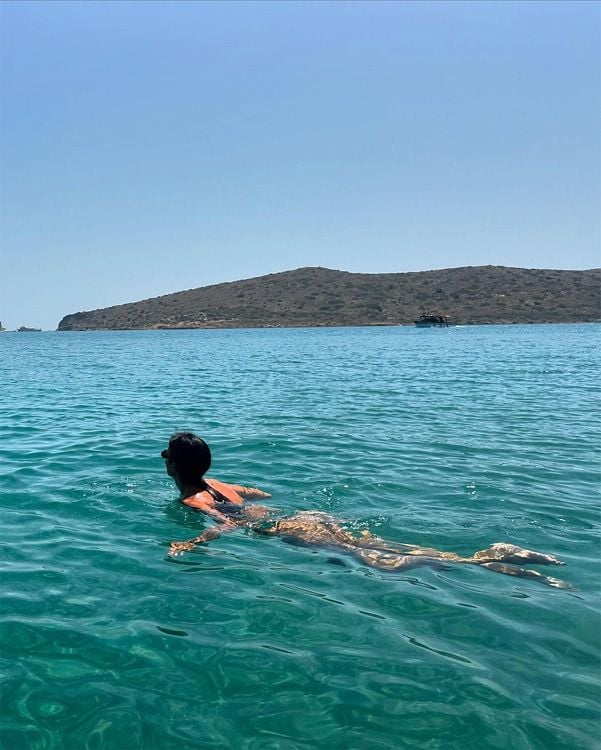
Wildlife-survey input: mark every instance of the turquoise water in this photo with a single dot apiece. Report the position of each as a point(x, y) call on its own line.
point(454, 438)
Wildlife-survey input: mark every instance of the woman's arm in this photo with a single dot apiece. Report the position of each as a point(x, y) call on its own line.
point(178, 548)
point(249, 491)
point(226, 524)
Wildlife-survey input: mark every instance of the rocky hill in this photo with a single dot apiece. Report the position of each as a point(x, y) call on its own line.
point(324, 297)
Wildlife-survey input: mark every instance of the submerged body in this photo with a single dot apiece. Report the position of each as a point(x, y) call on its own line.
point(317, 529)
point(322, 530)
point(225, 504)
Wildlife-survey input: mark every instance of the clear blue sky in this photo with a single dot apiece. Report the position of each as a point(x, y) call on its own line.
point(150, 147)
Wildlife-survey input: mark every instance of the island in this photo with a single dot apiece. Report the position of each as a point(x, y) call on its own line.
point(318, 296)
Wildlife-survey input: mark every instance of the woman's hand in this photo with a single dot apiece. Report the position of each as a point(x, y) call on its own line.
point(178, 548)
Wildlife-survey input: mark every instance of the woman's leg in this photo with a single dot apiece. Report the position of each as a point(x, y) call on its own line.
point(496, 558)
point(500, 552)
point(320, 529)
point(376, 558)
point(509, 553)
point(514, 570)
point(388, 561)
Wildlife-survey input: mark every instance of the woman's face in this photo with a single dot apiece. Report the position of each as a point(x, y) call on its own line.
point(169, 465)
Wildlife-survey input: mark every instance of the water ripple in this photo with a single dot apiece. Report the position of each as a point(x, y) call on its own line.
point(455, 438)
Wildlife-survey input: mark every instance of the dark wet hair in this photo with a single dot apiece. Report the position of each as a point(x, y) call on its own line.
point(191, 456)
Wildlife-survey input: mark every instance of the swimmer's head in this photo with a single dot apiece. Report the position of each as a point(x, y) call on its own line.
point(187, 458)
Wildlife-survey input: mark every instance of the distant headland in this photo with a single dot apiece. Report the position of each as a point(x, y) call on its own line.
point(324, 297)
point(22, 329)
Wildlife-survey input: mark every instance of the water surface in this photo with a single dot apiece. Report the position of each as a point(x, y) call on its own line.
point(455, 438)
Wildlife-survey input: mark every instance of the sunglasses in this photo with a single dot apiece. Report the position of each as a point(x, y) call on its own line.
point(165, 453)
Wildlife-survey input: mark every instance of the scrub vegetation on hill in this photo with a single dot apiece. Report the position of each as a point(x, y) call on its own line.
point(324, 297)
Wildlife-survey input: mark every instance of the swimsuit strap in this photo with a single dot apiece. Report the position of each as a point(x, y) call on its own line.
point(216, 495)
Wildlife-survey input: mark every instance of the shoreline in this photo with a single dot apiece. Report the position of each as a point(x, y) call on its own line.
point(205, 327)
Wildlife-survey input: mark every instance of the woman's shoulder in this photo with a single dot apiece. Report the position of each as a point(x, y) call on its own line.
point(225, 489)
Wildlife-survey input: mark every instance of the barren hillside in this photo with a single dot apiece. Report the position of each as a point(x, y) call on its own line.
point(324, 297)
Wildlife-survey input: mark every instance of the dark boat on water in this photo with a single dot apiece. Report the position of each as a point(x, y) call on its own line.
point(432, 321)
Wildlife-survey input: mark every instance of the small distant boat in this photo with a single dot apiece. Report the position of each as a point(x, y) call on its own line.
point(25, 329)
point(432, 321)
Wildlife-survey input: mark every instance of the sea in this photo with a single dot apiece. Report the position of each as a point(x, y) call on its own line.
point(454, 438)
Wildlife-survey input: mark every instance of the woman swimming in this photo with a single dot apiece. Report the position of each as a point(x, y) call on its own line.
point(188, 458)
